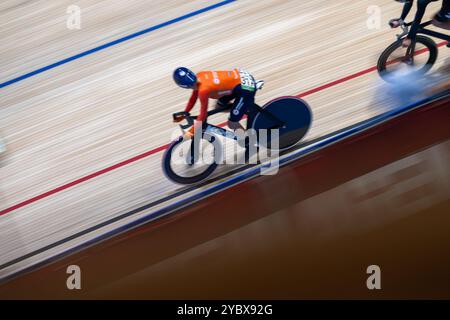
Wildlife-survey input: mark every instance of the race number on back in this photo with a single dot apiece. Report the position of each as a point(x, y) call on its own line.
point(247, 81)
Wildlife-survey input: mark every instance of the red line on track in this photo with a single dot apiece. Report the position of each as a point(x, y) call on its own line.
point(83, 179)
point(162, 148)
point(335, 83)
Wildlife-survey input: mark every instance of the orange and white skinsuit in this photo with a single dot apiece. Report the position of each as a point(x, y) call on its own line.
point(216, 85)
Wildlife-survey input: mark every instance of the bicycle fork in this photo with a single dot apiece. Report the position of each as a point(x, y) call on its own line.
point(409, 58)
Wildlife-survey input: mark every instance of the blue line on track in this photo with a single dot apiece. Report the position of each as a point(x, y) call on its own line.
point(115, 42)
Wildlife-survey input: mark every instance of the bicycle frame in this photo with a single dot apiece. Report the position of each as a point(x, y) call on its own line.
point(422, 30)
point(432, 33)
point(210, 129)
point(215, 130)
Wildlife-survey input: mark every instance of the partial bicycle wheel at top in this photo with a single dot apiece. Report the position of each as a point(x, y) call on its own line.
point(396, 59)
point(295, 116)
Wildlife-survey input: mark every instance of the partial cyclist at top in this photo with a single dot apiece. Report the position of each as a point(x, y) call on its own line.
point(441, 19)
point(415, 50)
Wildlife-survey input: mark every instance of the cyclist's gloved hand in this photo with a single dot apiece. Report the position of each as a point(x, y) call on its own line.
point(395, 23)
point(177, 117)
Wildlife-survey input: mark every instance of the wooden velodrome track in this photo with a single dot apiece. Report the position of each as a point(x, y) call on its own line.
point(85, 137)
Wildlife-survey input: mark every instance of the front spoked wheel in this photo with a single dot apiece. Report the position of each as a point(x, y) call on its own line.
point(420, 57)
point(189, 161)
point(290, 115)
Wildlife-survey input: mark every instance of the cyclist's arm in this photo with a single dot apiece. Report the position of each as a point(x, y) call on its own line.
point(406, 9)
point(192, 101)
point(204, 99)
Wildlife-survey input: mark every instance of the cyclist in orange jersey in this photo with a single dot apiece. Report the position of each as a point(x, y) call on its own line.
point(224, 86)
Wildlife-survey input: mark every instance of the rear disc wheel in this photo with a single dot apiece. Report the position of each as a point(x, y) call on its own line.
point(293, 112)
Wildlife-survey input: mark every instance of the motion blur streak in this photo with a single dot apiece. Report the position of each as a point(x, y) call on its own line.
point(162, 148)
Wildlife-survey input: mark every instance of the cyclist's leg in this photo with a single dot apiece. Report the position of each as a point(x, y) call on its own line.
point(251, 116)
point(245, 99)
point(421, 8)
point(244, 105)
point(225, 101)
point(442, 18)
